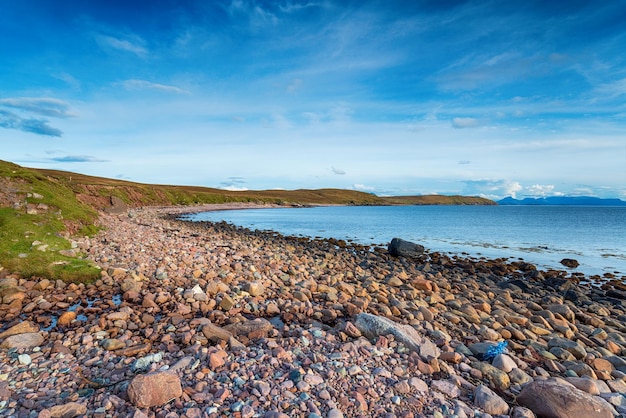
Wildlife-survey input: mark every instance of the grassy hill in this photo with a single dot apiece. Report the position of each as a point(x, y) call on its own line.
point(40, 210)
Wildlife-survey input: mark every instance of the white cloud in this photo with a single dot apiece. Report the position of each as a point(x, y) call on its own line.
point(363, 187)
point(40, 105)
point(492, 189)
point(461, 123)
point(122, 45)
point(512, 188)
point(540, 190)
point(338, 171)
point(134, 84)
point(234, 188)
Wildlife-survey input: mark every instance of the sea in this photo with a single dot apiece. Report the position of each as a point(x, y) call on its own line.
point(542, 235)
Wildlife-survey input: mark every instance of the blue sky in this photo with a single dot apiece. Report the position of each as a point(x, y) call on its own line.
point(490, 98)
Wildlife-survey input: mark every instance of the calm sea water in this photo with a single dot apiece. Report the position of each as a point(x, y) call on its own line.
point(542, 235)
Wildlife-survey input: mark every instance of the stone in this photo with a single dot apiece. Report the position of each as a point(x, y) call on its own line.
point(254, 288)
point(374, 326)
point(26, 340)
point(498, 379)
point(227, 303)
point(154, 389)
point(521, 412)
point(116, 206)
point(585, 384)
point(557, 399)
point(351, 330)
point(563, 310)
point(334, 413)
point(217, 359)
point(21, 328)
point(253, 329)
point(66, 318)
point(264, 388)
point(111, 344)
point(214, 333)
point(489, 401)
point(504, 363)
point(572, 346)
point(446, 387)
point(395, 281)
point(68, 410)
point(569, 262)
point(24, 359)
point(401, 248)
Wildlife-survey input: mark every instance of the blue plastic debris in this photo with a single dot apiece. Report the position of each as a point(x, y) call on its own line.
point(494, 350)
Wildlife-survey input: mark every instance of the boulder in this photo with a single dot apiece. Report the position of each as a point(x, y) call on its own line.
point(552, 398)
point(570, 263)
point(373, 326)
point(27, 340)
point(401, 248)
point(116, 206)
point(21, 328)
point(154, 389)
point(68, 410)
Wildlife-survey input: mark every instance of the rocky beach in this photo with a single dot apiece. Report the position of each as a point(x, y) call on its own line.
point(210, 320)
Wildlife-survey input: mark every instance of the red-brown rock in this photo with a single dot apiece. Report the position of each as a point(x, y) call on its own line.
point(154, 389)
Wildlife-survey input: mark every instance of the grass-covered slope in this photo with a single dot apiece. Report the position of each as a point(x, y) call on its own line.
point(37, 214)
point(97, 191)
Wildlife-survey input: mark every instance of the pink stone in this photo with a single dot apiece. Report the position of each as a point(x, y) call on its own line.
point(154, 389)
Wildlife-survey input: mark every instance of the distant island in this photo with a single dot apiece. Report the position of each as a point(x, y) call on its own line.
point(562, 200)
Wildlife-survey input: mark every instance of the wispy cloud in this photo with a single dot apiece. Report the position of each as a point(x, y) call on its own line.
point(257, 15)
point(77, 159)
point(39, 105)
point(234, 184)
point(10, 120)
point(338, 171)
point(134, 84)
point(462, 123)
point(612, 89)
point(135, 46)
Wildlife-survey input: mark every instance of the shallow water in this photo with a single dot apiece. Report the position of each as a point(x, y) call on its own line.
point(542, 235)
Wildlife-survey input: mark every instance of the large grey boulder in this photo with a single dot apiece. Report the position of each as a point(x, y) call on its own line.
point(401, 248)
point(373, 326)
point(554, 398)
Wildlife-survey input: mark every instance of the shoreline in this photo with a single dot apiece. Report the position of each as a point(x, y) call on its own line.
point(247, 323)
point(594, 273)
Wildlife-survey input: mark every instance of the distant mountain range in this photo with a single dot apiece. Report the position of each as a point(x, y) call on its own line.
point(563, 200)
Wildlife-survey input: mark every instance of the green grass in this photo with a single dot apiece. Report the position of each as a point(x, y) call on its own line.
point(18, 232)
point(19, 229)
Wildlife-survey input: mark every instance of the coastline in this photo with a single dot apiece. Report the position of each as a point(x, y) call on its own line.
point(597, 265)
point(259, 324)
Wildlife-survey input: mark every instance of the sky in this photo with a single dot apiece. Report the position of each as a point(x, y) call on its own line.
point(519, 98)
